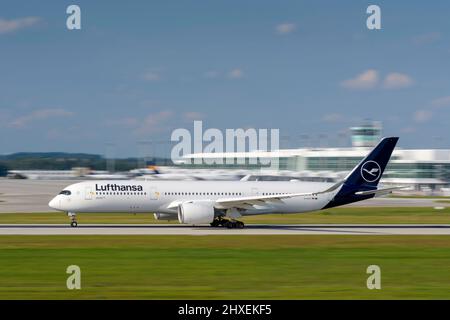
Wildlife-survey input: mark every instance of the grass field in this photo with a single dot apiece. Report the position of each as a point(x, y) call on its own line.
point(363, 215)
point(225, 267)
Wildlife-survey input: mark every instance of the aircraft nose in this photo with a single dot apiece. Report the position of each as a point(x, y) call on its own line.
point(54, 203)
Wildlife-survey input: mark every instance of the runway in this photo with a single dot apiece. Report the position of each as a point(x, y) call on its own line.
point(170, 229)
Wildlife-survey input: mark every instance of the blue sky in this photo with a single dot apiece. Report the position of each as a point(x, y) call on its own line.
point(135, 72)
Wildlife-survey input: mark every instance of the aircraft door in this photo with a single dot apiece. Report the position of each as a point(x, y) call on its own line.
point(154, 194)
point(255, 192)
point(88, 193)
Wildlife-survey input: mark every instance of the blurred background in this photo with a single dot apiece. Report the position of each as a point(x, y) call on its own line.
point(102, 102)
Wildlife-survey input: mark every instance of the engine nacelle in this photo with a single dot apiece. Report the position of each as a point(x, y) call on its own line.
point(196, 212)
point(165, 216)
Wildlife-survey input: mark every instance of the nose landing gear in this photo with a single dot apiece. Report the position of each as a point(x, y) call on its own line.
point(73, 219)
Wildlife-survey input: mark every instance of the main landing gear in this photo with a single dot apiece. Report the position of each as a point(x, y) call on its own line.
point(230, 224)
point(73, 219)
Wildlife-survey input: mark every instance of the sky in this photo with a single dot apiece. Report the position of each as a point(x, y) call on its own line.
point(138, 70)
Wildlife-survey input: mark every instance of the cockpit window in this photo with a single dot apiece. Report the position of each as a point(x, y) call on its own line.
point(65, 192)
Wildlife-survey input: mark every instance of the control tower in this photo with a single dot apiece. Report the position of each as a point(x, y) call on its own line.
point(367, 135)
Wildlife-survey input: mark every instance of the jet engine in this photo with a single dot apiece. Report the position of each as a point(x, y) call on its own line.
point(196, 212)
point(165, 216)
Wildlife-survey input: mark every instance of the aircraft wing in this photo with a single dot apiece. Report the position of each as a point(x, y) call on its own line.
point(248, 202)
point(378, 192)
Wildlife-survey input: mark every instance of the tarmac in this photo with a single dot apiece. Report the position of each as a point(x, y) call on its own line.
point(170, 229)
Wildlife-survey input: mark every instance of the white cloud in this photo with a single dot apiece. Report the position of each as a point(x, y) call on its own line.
point(427, 38)
point(441, 102)
point(151, 76)
point(422, 116)
point(408, 130)
point(370, 79)
point(38, 115)
point(366, 80)
point(426, 114)
point(8, 26)
point(396, 80)
point(285, 28)
point(193, 115)
point(154, 122)
point(235, 74)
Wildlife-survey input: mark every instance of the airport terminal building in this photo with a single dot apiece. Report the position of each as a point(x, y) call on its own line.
point(419, 169)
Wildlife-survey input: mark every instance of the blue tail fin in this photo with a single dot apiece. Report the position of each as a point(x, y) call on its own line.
point(368, 172)
point(366, 175)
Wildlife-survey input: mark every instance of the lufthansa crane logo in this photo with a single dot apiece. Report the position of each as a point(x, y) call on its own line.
point(370, 171)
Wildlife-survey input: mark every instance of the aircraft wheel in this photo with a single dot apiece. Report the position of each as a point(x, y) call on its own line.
point(240, 224)
point(229, 224)
point(215, 223)
point(73, 224)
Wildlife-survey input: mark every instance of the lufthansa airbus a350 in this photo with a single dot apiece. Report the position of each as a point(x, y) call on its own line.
point(221, 203)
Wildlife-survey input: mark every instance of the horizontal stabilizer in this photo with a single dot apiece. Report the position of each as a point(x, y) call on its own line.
point(378, 192)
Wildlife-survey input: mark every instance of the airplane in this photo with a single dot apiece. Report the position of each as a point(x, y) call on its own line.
point(221, 203)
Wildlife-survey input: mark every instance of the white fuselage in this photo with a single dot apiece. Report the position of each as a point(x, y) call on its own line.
point(163, 196)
